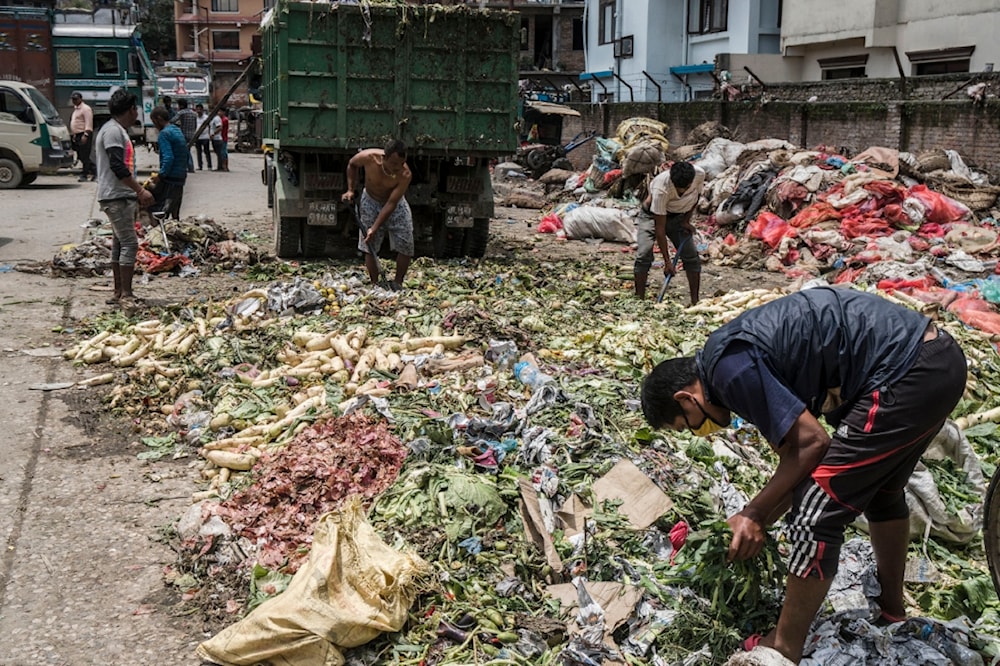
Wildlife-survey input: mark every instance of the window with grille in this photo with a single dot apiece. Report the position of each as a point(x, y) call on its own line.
point(68, 61)
point(942, 67)
point(705, 16)
point(941, 61)
point(844, 67)
point(225, 5)
point(226, 40)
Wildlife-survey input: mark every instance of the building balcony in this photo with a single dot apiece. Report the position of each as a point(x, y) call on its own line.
point(234, 20)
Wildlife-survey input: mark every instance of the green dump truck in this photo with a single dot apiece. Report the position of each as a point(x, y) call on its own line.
point(341, 77)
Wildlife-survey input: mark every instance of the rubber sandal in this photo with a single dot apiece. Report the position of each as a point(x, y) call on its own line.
point(750, 642)
point(884, 619)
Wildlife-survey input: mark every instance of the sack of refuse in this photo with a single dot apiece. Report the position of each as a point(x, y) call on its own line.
point(353, 587)
point(643, 157)
point(609, 224)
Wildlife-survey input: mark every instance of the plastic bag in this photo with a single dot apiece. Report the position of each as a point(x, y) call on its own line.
point(609, 224)
point(770, 228)
point(925, 502)
point(352, 588)
point(607, 148)
point(550, 224)
point(937, 207)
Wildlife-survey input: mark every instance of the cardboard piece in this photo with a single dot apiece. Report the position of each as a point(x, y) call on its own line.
point(572, 515)
point(642, 501)
point(534, 525)
point(617, 599)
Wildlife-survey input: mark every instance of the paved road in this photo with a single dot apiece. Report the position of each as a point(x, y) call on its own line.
point(80, 571)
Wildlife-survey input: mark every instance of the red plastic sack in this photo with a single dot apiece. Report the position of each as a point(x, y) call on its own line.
point(900, 283)
point(940, 208)
point(814, 214)
point(550, 224)
point(770, 228)
point(860, 224)
point(848, 275)
point(983, 321)
point(965, 304)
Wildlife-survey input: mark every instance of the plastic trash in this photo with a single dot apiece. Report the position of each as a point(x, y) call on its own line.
point(944, 641)
point(528, 373)
point(940, 277)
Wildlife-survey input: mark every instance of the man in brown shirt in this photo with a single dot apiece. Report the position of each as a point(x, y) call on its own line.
point(81, 127)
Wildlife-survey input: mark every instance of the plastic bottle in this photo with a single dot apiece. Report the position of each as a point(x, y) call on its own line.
point(936, 636)
point(941, 278)
point(527, 372)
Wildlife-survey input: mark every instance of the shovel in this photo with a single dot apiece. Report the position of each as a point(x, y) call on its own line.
point(160, 216)
point(666, 280)
point(382, 281)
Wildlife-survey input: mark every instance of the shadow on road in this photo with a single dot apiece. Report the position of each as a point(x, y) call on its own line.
point(52, 186)
point(4, 241)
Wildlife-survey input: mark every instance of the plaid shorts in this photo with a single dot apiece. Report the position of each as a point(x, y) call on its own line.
point(399, 226)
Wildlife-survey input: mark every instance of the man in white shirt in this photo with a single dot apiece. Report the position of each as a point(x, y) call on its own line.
point(668, 208)
point(204, 141)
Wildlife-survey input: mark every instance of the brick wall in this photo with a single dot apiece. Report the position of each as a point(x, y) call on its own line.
point(923, 88)
point(572, 61)
point(971, 129)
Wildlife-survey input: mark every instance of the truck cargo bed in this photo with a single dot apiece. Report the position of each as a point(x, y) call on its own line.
point(443, 79)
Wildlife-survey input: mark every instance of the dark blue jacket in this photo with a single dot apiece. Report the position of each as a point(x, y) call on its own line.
point(173, 154)
point(825, 338)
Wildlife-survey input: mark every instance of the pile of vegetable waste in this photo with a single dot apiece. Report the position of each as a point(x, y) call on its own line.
point(413, 402)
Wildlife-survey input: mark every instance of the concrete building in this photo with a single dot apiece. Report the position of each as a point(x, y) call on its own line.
point(219, 33)
point(886, 38)
point(552, 45)
point(665, 50)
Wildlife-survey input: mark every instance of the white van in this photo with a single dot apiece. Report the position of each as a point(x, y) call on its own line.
point(33, 138)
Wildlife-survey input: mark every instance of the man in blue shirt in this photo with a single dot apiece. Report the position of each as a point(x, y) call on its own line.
point(174, 155)
point(883, 376)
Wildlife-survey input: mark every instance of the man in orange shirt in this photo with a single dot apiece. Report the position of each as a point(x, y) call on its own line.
point(81, 127)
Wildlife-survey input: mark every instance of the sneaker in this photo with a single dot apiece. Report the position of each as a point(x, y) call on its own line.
point(82, 179)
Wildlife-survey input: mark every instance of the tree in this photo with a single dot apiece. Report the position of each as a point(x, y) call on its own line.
point(156, 22)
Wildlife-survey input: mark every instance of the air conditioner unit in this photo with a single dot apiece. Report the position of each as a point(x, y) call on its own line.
point(624, 47)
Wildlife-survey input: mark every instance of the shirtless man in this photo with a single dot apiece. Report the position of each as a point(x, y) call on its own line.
point(382, 206)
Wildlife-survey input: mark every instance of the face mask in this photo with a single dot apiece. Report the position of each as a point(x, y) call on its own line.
point(708, 425)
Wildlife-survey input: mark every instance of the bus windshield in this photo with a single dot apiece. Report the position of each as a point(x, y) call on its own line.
point(44, 106)
point(182, 85)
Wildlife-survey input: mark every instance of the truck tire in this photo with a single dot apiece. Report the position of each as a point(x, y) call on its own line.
point(991, 528)
point(454, 245)
point(477, 238)
point(313, 240)
point(10, 174)
point(287, 232)
point(29, 178)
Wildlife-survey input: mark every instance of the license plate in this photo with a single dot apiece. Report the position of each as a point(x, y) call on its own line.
point(323, 213)
point(458, 216)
